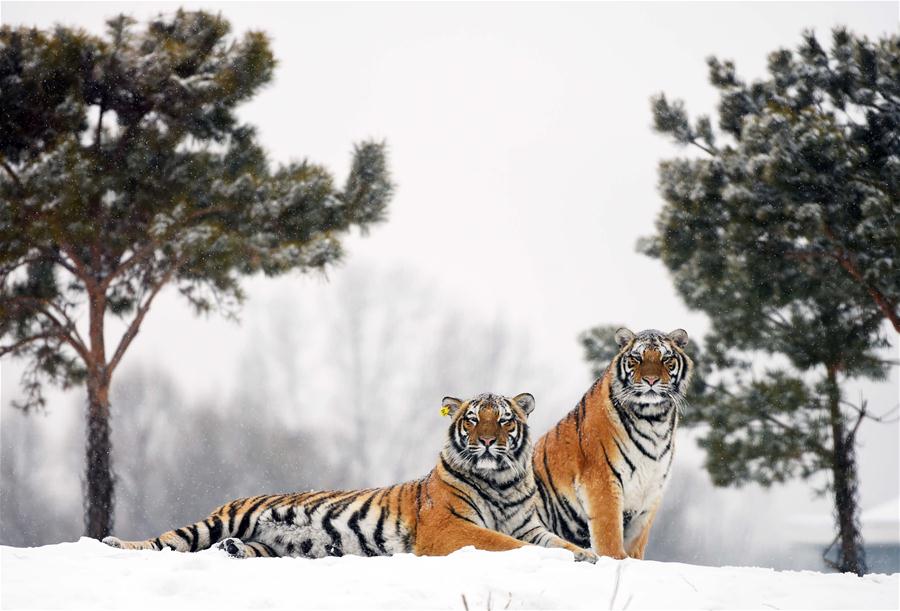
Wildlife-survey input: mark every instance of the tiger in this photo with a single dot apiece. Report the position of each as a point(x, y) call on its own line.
point(602, 470)
point(481, 493)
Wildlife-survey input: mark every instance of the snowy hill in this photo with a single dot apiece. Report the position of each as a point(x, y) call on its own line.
point(88, 574)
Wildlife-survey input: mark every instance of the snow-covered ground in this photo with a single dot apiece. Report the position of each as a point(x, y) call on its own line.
point(88, 574)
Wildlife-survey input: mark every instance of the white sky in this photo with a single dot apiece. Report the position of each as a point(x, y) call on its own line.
point(521, 145)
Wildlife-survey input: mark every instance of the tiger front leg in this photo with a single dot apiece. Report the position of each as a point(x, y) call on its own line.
point(534, 532)
point(235, 548)
point(548, 539)
point(602, 499)
point(448, 538)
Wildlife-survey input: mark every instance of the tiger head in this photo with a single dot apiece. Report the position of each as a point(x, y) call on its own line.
point(489, 432)
point(651, 367)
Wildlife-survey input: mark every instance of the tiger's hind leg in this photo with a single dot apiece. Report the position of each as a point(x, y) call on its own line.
point(236, 548)
point(197, 536)
point(235, 519)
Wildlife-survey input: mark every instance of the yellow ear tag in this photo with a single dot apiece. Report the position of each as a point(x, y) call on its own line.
point(445, 411)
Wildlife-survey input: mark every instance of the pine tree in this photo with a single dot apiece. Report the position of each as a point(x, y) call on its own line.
point(124, 170)
point(784, 232)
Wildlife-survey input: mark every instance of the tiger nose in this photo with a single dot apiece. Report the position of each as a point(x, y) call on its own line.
point(651, 380)
point(487, 441)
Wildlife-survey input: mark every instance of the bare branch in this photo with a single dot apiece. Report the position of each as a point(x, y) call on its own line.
point(851, 436)
point(863, 414)
point(861, 408)
point(884, 419)
point(825, 559)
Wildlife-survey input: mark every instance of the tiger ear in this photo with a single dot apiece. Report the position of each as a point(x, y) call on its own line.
point(623, 336)
point(449, 406)
point(680, 337)
point(525, 401)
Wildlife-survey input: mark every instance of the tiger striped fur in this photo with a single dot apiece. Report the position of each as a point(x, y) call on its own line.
point(601, 471)
point(481, 493)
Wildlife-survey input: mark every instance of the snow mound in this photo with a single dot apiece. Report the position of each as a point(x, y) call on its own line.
point(88, 574)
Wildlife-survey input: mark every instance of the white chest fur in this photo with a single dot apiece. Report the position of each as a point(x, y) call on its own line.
point(647, 448)
point(644, 486)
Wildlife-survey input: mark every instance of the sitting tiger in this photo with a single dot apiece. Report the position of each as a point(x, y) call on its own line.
point(481, 493)
point(602, 469)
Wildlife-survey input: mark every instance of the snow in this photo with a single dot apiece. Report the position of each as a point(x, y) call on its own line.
point(88, 574)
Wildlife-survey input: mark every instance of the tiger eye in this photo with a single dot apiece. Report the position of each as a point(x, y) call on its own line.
point(632, 361)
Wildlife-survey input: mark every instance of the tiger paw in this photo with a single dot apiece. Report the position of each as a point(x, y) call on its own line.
point(235, 548)
point(585, 555)
point(113, 542)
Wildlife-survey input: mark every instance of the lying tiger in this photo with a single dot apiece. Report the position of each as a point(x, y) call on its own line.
point(481, 493)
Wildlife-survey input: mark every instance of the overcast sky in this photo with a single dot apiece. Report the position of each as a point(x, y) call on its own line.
point(520, 142)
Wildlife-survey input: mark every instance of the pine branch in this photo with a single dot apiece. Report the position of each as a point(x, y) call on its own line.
point(818, 447)
point(80, 269)
point(11, 172)
point(99, 132)
point(147, 249)
point(60, 330)
point(7, 269)
point(65, 264)
point(135, 325)
point(775, 420)
point(70, 324)
point(778, 320)
point(4, 350)
point(848, 262)
point(710, 151)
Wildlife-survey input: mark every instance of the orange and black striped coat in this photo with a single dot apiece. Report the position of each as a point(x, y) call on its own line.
point(601, 471)
point(481, 493)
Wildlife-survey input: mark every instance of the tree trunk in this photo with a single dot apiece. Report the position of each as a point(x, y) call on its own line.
point(98, 496)
point(851, 555)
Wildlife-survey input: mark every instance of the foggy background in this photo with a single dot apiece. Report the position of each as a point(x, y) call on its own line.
point(519, 138)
